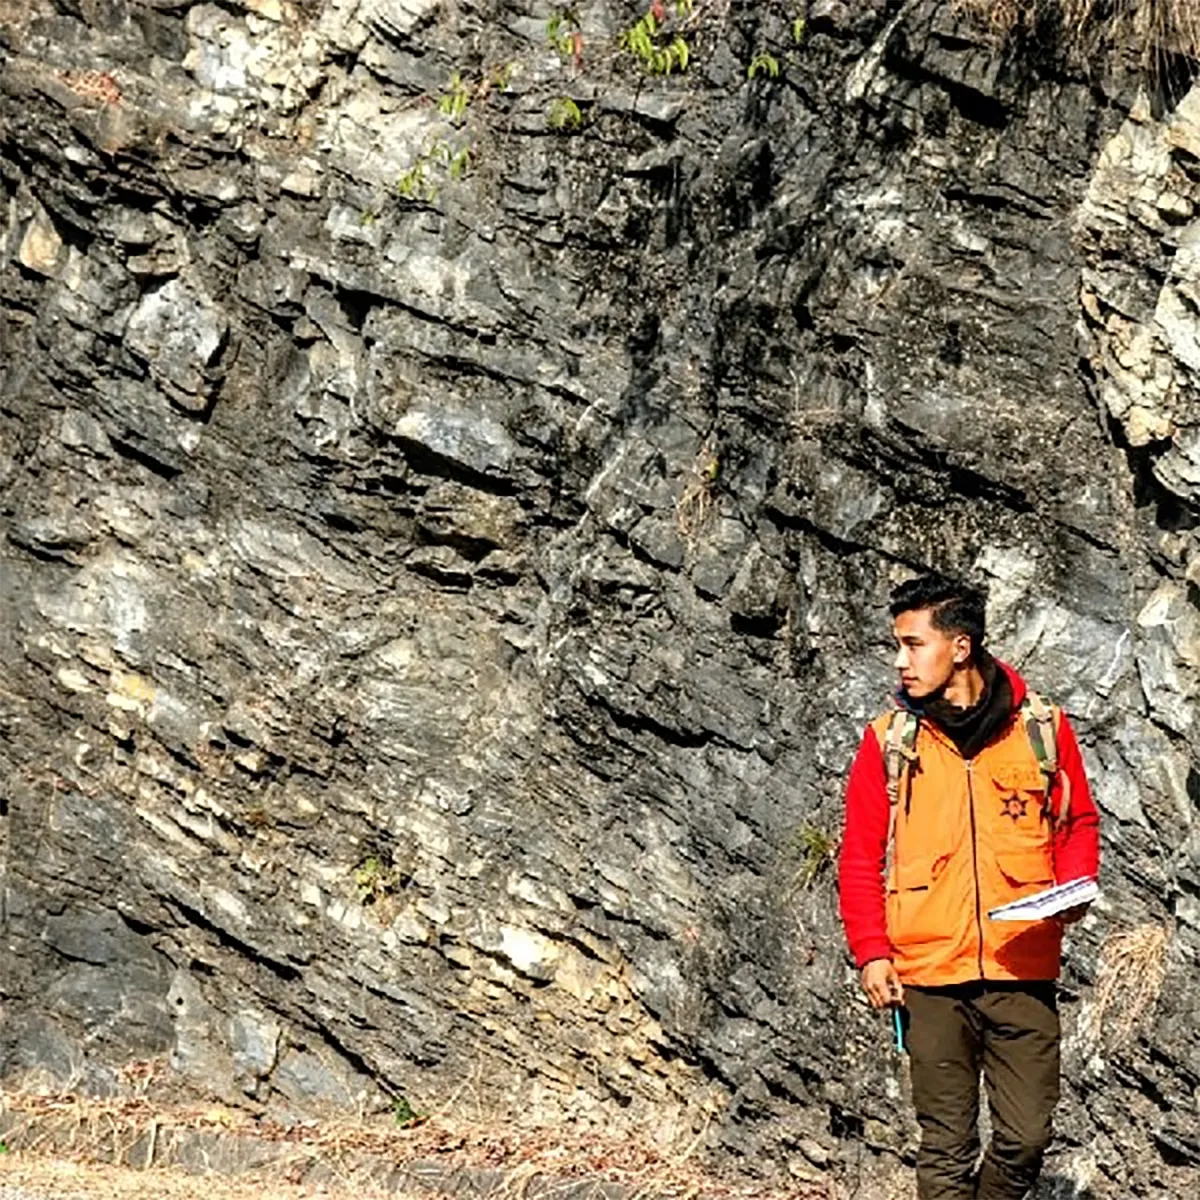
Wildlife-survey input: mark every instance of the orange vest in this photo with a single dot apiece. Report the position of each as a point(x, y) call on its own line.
point(970, 836)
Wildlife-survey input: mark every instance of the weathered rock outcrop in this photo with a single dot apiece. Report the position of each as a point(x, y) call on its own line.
point(447, 531)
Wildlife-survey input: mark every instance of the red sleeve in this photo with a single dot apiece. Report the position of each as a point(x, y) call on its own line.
point(864, 850)
point(1077, 839)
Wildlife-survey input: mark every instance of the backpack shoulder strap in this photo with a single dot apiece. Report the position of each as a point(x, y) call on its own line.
point(899, 759)
point(899, 748)
point(1041, 727)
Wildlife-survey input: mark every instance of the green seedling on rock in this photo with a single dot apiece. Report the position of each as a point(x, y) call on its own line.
point(799, 26)
point(437, 162)
point(374, 879)
point(816, 849)
point(457, 162)
point(563, 34)
point(659, 52)
point(412, 184)
point(455, 99)
point(763, 64)
point(565, 114)
point(405, 1113)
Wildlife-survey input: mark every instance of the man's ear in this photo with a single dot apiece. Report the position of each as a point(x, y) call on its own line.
point(962, 649)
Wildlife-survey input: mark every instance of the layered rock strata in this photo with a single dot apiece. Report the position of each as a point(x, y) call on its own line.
point(451, 483)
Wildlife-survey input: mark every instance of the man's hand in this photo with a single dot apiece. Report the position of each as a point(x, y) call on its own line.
point(881, 983)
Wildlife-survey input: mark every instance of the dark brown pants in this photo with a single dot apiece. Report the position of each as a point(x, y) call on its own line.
point(1011, 1033)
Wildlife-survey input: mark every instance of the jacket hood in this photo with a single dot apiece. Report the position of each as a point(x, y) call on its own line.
point(1020, 689)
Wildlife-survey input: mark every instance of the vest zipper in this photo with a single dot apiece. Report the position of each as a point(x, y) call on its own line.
point(970, 762)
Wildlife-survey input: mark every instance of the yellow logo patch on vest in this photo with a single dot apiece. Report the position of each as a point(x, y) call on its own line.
point(1014, 806)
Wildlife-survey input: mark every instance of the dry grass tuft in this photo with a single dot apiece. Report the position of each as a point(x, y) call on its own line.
point(1133, 965)
point(1151, 29)
point(697, 502)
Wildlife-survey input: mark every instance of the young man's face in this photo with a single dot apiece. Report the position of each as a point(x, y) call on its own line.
point(927, 658)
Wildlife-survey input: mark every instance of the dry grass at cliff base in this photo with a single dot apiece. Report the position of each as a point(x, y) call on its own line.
point(31, 1175)
point(1150, 29)
point(258, 1159)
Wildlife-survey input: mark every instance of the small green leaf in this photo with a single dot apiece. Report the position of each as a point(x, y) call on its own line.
point(454, 100)
point(564, 114)
point(763, 64)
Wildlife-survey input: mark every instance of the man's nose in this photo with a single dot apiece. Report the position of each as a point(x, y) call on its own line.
point(901, 658)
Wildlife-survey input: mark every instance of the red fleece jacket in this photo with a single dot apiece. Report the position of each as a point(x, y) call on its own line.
point(864, 838)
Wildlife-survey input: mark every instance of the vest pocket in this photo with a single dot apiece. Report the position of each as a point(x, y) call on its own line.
point(914, 913)
point(1026, 865)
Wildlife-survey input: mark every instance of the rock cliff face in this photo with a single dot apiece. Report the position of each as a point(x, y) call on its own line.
point(451, 482)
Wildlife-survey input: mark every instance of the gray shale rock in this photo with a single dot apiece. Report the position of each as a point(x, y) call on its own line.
point(445, 554)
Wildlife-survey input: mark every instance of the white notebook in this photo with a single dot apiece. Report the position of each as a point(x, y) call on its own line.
point(1046, 904)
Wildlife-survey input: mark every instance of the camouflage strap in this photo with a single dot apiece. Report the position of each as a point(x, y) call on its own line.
point(1038, 717)
point(899, 759)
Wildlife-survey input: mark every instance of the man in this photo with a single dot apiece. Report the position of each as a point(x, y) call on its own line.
point(970, 795)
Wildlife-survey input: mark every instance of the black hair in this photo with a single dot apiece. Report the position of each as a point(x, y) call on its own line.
point(954, 606)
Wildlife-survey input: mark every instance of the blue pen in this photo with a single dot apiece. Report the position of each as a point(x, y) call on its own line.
point(898, 1028)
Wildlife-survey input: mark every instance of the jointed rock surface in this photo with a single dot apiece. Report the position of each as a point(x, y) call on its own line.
point(446, 542)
